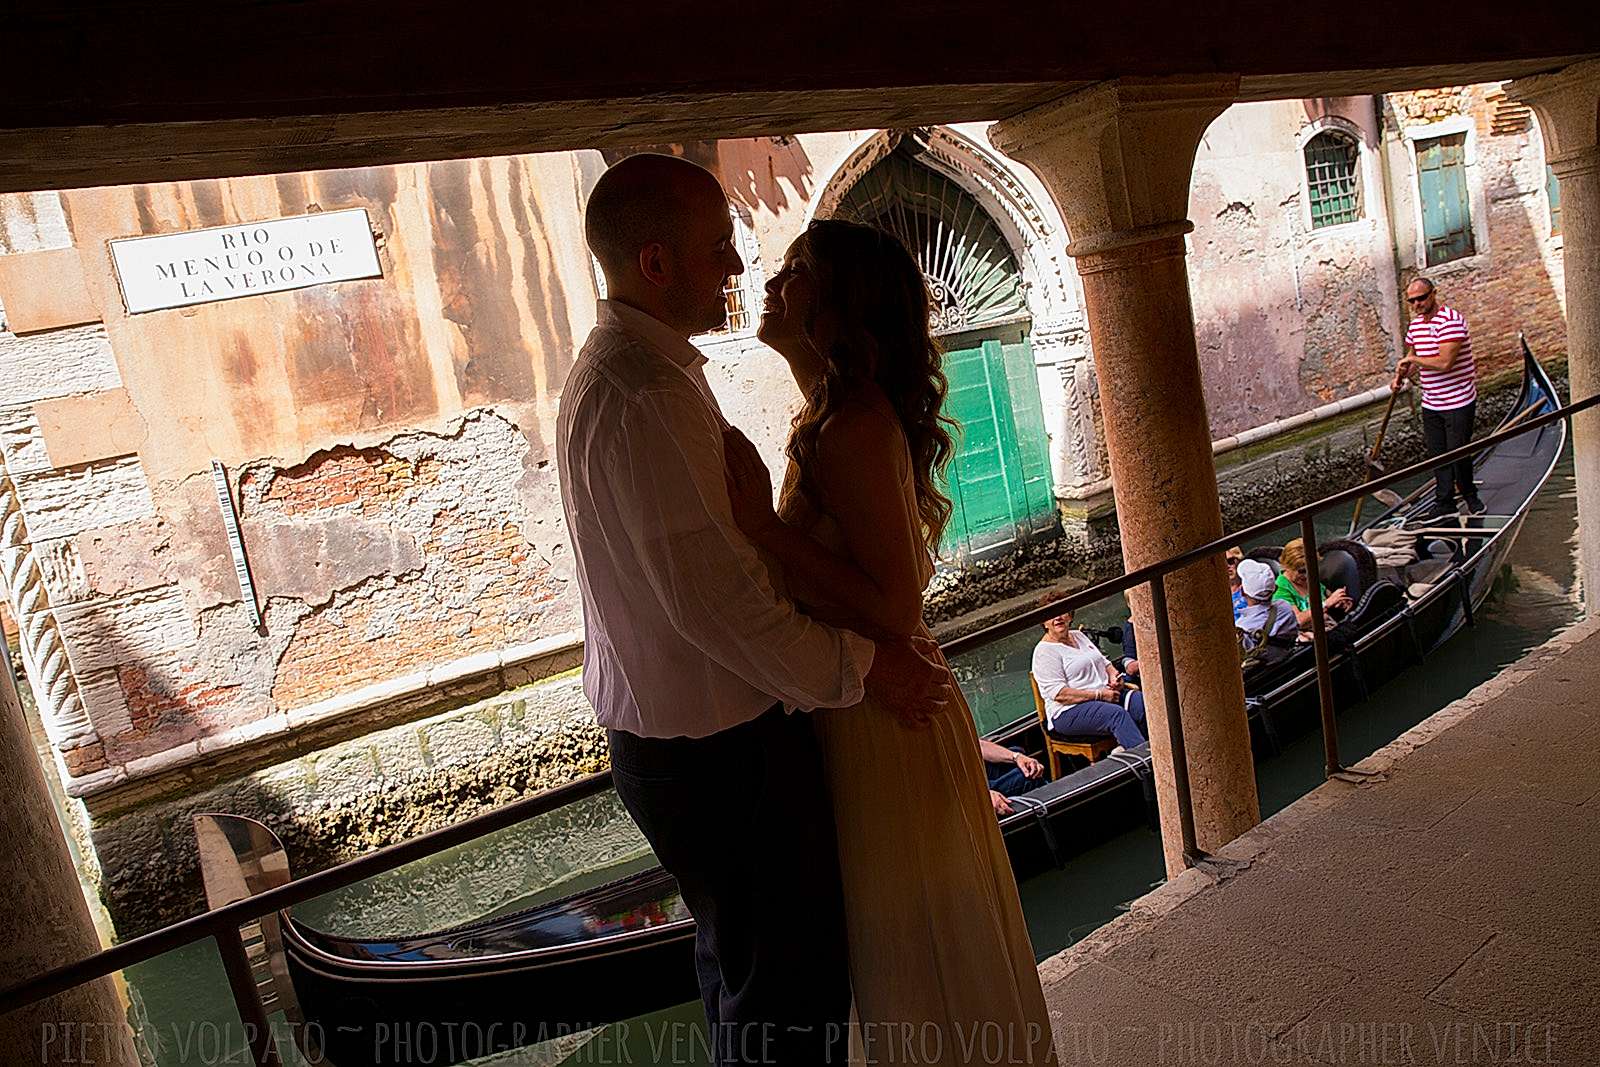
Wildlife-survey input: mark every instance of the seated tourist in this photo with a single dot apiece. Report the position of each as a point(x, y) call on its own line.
point(1294, 586)
point(1265, 619)
point(1233, 556)
point(1083, 693)
point(1130, 655)
point(1010, 771)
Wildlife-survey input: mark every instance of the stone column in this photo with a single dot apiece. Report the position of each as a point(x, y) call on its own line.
point(44, 920)
point(1568, 106)
point(1117, 158)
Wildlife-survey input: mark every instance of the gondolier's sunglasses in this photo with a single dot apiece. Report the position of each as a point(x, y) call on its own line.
point(1418, 299)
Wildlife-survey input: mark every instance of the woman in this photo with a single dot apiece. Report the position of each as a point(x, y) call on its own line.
point(938, 945)
point(1083, 692)
point(1294, 586)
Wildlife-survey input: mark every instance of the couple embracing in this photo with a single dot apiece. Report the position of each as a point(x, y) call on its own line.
point(782, 727)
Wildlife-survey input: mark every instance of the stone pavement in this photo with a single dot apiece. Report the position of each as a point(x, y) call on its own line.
point(1445, 911)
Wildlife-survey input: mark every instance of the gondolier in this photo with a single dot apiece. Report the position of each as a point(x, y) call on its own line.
point(1439, 348)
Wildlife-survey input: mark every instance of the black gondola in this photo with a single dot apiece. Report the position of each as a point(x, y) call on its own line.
point(626, 947)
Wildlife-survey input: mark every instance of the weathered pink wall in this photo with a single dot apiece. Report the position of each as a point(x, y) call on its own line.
point(389, 440)
point(1287, 317)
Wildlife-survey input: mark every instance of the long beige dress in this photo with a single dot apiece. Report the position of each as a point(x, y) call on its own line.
point(940, 962)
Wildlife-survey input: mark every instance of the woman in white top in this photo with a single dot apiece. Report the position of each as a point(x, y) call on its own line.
point(1083, 692)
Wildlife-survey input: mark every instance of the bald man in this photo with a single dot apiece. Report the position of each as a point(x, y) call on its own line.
point(692, 662)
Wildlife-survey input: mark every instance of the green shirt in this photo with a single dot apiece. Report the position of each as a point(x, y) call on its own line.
point(1287, 591)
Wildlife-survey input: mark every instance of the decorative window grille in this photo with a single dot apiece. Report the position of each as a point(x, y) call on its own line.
point(1442, 188)
point(1333, 178)
point(973, 279)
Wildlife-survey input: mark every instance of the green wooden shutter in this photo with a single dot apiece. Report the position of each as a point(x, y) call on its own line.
point(1552, 190)
point(999, 481)
point(1037, 513)
point(1442, 188)
point(977, 400)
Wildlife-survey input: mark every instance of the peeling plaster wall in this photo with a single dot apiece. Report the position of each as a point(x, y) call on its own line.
point(389, 441)
point(1286, 317)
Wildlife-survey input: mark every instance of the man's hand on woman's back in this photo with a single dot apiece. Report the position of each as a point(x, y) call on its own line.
point(909, 678)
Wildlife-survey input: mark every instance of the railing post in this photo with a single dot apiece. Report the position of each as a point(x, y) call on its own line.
point(1169, 692)
point(1319, 638)
point(247, 998)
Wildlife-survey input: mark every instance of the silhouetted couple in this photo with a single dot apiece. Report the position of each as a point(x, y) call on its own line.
point(782, 726)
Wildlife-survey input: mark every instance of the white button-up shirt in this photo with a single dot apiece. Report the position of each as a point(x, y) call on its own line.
point(684, 634)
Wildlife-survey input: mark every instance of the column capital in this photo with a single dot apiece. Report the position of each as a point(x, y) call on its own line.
point(1117, 157)
point(1567, 102)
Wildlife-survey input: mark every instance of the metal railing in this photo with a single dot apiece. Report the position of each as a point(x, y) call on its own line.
point(223, 924)
point(1155, 575)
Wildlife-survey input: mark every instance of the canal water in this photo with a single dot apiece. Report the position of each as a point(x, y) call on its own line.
point(188, 1016)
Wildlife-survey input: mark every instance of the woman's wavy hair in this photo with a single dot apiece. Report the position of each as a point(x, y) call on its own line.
point(875, 328)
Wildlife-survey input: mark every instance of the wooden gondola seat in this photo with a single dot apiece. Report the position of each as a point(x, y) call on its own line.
point(1090, 747)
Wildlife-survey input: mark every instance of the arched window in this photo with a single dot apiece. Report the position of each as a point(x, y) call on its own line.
point(972, 275)
point(1333, 178)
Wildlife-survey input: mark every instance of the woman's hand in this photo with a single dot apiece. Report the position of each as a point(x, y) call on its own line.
point(749, 486)
point(1338, 600)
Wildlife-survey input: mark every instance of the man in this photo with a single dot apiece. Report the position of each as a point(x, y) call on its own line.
point(1439, 348)
point(1010, 771)
point(690, 658)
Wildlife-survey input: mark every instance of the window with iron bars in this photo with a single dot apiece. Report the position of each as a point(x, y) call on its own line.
point(742, 290)
point(1332, 177)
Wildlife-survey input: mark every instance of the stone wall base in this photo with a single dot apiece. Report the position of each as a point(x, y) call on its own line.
point(367, 792)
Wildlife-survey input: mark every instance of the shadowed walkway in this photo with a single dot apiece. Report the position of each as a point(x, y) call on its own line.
point(1445, 911)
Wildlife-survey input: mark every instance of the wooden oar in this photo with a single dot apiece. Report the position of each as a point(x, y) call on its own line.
point(1372, 458)
point(1522, 416)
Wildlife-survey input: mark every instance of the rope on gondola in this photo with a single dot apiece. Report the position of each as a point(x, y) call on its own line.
point(1143, 768)
point(1410, 617)
point(1041, 815)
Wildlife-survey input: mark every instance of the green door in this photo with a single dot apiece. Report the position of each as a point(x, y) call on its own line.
point(999, 481)
point(1442, 188)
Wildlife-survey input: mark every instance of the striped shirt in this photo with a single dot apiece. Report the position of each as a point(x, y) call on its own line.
point(1444, 390)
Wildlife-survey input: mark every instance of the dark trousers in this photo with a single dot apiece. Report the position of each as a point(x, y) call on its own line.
point(1007, 779)
point(1443, 431)
point(1099, 717)
point(742, 819)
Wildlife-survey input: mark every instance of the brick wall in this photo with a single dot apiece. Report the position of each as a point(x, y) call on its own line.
point(1514, 282)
